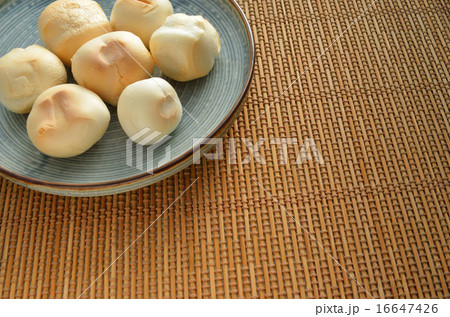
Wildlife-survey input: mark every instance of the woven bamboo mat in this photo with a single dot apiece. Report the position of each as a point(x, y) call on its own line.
point(373, 220)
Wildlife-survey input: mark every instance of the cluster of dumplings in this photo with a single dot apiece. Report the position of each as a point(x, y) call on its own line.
point(112, 62)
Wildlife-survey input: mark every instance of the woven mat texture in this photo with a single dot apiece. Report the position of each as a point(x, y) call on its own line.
point(373, 220)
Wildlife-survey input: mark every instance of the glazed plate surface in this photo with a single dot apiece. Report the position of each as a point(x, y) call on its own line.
point(114, 165)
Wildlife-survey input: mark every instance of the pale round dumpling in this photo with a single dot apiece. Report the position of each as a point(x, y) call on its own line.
point(141, 17)
point(65, 25)
point(111, 62)
point(149, 110)
point(67, 120)
point(25, 74)
point(185, 47)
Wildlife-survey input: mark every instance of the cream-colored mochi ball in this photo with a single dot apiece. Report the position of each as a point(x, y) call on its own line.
point(111, 62)
point(148, 110)
point(67, 120)
point(141, 17)
point(65, 25)
point(185, 47)
point(25, 74)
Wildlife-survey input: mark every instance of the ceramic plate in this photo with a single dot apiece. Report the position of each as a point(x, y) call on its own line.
point(114, 165)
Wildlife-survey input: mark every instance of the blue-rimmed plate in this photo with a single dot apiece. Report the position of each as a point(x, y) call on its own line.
point(114, 165)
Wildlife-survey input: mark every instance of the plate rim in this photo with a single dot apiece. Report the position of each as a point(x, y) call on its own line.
point(74, 188)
